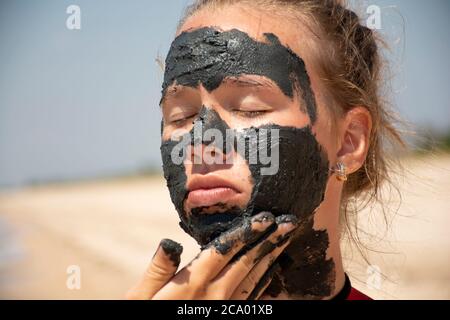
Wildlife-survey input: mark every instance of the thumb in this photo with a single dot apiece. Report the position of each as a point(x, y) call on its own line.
point(163, 266)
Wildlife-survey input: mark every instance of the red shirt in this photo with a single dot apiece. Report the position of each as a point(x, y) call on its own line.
point(350, 293)
point(357, 295)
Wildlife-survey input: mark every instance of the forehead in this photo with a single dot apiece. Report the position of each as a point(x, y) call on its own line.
point(254, 22)
point(233, 41)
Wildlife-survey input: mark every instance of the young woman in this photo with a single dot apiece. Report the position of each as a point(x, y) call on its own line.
point(299, 78)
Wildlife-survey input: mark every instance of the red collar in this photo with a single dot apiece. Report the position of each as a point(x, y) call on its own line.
point(350, 293)
point(357, 295)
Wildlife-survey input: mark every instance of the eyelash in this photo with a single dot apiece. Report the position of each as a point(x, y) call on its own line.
point(241, 113)
point(249, 114)
point(180, 122)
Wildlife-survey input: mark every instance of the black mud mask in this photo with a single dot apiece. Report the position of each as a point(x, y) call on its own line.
point(207, 56)
point(297, 187)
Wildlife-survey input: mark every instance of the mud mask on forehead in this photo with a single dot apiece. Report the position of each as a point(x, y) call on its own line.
point(208, 56)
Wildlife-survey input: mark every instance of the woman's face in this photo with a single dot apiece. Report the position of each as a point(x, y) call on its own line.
point(225, 72)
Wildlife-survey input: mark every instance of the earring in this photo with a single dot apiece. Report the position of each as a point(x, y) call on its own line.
point(341, 175)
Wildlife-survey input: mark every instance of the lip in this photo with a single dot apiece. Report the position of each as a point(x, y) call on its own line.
point(209, 190)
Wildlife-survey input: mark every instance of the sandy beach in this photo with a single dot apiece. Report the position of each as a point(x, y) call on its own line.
point(110, 229)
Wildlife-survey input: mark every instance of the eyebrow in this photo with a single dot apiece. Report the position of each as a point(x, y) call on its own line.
point(169, 92)
point(249, 82)
point(173, 91)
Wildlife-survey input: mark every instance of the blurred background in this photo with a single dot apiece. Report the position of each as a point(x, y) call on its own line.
point(81, 191)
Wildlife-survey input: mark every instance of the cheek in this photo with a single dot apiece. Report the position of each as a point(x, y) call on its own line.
point(169, 131)
point(325, 133)
point(298, 185)
point(291, 115)
point(241, 171)
point(165, 132)
point(324, 128)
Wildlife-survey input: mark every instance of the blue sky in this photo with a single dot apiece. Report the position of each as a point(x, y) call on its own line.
point(84, 103)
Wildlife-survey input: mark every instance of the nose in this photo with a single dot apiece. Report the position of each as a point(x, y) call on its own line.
point(209, 139)
point(209, 128)
point(206, 154)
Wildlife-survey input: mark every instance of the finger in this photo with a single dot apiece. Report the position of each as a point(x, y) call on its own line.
point(245, 261)
point(260, 291)
point(216, 255)
point(253, 268)
point(221, 250)
point(263, 283)
point(162, 268)
point(258, 278)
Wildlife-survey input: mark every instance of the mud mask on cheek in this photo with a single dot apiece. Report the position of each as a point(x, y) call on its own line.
point(297, 187)
point(208, 56)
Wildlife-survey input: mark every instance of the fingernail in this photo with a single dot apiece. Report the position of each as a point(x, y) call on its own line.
point(264, 216)
point(287, 218)
point(288, 222)
point(259, 224)
point(172, 249)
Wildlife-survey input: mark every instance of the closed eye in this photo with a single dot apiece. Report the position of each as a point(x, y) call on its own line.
point(250, 113)
point(180, 121)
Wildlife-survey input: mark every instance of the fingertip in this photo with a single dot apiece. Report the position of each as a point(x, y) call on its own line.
point(261, 223)
point(172, 250)
point(263, 216)
point(287, 218)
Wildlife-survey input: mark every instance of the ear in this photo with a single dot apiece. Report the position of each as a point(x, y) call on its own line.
point(354, 139)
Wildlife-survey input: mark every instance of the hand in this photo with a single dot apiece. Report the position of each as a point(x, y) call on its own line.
point(236, 265)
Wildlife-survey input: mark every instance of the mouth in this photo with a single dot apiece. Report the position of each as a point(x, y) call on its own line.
point(208, 190)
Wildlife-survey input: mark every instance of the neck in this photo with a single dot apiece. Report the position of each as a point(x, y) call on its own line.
point(311, 266)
